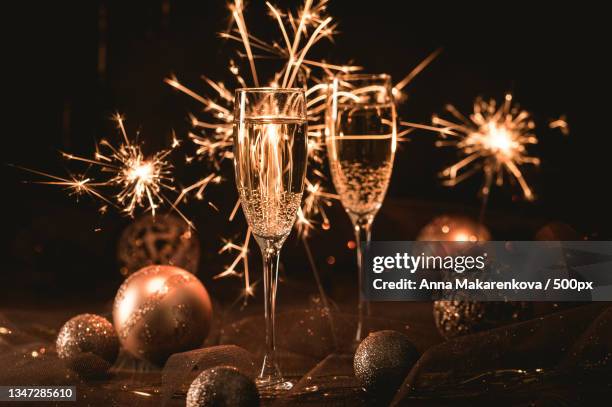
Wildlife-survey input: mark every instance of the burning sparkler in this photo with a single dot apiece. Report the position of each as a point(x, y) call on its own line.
point(142, 181)
point(76, 185)
point(493, 140)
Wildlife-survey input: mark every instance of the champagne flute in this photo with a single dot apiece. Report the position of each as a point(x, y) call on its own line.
point(361, 141)
point(270, 155)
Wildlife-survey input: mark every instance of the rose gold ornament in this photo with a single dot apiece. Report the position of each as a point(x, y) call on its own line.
point(161, 310)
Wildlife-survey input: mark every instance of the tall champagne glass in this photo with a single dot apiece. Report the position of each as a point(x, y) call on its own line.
point(270, 155)
point(361, 140)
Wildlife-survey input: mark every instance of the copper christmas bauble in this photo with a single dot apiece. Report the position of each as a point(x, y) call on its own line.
point(88, 345)
point(161, 310)
point(454, 229)
point(557, 231)
point(222, 386)
point(163, 239)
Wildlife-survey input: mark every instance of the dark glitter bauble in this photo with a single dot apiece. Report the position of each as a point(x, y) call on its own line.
point(88, 345)
point(456, 318)
point(222, 386)
point(161, 310)
point(165, 239)
point(383, 360)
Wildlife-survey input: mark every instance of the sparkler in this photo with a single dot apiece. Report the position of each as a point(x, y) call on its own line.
point(142, 181)
point(493, 140)
point(76, 185)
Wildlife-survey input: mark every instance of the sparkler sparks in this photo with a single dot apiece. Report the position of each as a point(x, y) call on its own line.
point(76, 185)
point(494, 140)
point(142, 181)
point(398, 93)
point(241, 257)
point(315, 201)
point(212, 136)
point(299, 32)
point(561, 124)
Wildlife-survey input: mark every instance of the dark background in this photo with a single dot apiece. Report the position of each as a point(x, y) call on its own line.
point(76, 63)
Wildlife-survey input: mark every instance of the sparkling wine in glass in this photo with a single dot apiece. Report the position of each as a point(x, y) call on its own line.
point(361, 141)
point(270, 155)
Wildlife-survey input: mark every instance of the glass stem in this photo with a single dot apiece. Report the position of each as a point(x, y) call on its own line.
point(363, 227)
point(271, 255)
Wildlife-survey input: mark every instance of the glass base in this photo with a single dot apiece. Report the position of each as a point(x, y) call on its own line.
point(271, 387)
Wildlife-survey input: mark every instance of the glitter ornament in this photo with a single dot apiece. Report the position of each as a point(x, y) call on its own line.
point(88, 345)
point(222, 386)
point(382, 361)
point(164, 239)
point(455, 318)
point(458, 317)
point(161, 310)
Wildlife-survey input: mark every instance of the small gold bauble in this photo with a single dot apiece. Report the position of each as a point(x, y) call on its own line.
point(222, 386)
point(88, 345)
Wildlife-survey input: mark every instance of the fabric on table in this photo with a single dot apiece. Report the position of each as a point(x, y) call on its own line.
point(519, 363)
point(564, 357)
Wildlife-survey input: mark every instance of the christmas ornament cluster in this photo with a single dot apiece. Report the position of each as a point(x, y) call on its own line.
point(163, 310)
point(158, 311)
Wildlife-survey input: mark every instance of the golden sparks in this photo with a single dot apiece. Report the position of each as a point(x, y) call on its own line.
point(561, 124)
point(299, 31)
point(139, 181)
point(493, 140)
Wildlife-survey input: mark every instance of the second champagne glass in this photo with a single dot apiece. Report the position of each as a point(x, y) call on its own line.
point(270, 155)
point(361, 141)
